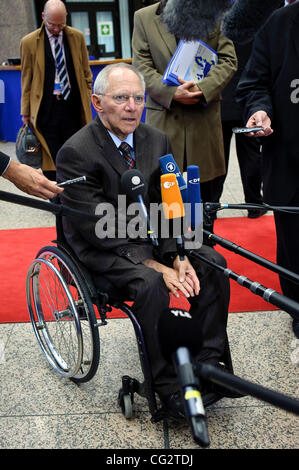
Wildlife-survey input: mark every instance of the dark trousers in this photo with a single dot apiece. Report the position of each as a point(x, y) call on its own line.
point(62, 122)
point(249, 158)
point(151, 298)
point(287, 230)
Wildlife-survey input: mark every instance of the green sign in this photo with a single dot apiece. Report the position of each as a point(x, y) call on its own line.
point(105, 29)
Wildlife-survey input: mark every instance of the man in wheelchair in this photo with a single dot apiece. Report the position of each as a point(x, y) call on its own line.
point(145, 275)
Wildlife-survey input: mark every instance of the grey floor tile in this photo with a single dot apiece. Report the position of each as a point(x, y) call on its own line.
point(242, 428)
point(28, 374)
point(80, 431)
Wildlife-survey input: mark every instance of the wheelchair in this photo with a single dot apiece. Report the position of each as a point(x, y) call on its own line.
point(61, 299)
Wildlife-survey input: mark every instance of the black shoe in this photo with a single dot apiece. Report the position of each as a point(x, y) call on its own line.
point(296, 327)
point(255, 213)
point(174, 405)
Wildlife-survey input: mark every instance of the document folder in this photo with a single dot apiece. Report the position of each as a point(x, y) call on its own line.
point(191, 61)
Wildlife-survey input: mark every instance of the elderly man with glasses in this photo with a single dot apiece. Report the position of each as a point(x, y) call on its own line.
point(103, 151)
point(56, 82)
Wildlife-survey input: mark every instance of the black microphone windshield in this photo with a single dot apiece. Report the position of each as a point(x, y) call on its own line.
point(193, 19)
point(177, 328)
point(133, 184)
point(196, 19)
point(246, 17)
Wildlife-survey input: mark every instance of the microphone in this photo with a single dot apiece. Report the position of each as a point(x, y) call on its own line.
point(177, 328)
point(169, 165)
point(133, 185)
point(179, 334)
point(194, 196)
point(194, 20)
point(246, 17)
point(173, 206)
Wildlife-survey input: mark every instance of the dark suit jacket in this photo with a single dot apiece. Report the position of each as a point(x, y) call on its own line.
point(92, 152)
point(271, 83)
point(230, 109)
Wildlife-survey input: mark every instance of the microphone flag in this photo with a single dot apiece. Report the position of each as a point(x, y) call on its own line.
point(168, 165)
point(173, 206)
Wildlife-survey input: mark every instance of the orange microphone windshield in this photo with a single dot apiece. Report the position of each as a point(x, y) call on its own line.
point(173, 206)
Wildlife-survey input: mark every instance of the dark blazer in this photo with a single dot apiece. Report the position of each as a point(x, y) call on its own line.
point(92, 152)
point(230, 109)
point(270, 82)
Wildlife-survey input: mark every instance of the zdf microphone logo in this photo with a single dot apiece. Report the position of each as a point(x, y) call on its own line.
point(194, 181)
point(168, 184)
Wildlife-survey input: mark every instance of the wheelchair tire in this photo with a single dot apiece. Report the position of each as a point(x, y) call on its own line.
point(62, 315)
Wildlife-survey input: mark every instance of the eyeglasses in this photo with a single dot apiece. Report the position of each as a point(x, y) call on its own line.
point(53, 25)
point(121, 99)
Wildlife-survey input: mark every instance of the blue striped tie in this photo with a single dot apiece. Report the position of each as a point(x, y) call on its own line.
point(61, 69)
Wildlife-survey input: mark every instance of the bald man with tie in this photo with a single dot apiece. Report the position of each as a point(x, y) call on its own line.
point(56, 82)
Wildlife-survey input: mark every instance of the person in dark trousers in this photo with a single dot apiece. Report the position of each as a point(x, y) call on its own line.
point(268, 91)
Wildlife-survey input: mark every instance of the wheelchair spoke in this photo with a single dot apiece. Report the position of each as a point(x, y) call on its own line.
point(60, 316)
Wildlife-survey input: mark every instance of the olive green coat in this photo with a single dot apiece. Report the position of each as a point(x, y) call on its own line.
point(194, 129)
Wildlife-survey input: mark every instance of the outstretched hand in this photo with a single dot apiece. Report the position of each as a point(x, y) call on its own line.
point(31, 181)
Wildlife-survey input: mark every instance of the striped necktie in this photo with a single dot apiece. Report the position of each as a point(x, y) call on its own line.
point(61, 70)
point(126, 151)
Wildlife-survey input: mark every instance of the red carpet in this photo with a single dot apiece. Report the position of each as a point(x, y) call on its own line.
point(20, 246)
point(257, 236)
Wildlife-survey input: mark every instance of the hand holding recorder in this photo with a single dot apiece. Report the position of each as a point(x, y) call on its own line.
point(259, 119)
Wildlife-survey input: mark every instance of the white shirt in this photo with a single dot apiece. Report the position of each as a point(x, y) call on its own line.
point(129, 139)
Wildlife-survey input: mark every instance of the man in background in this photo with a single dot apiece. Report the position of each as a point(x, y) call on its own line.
point(190, 113)
point(56, 82)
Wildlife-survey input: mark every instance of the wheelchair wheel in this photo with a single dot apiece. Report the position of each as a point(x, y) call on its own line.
point(62, 315)
point(125, 401)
